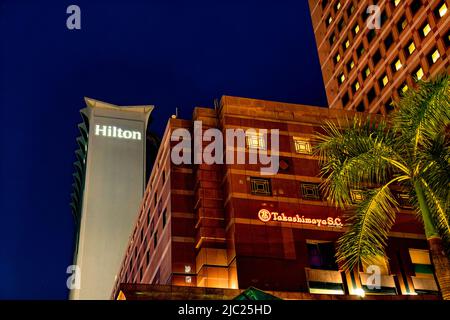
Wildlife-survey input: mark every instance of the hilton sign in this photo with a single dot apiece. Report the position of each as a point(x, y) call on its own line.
point(265, 216)
point(114, 132)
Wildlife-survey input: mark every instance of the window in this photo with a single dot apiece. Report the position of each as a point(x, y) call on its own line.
point(403, 88)
point(360, 107)
point(396, 65)
point(410, 48)
point(329, 20)
point(376, 58)
point(155, 239)
point(135, 252)
point(163, 176)
point(415, 6)
point(425, 29)
point(360, 51)
point(396, 2)
point(321, 255)
point(332, 39)
point(147, 257)
point(310, 191)
point(346, 44)
point(356, 29)
point(350, 10)
point(389, 106)
point(381, 262)
point(260, 186)
point(421, 263)
point(441, 9)
point(403, 200)
point(401, 25)
point(341, 25)
point(302, 145)
point(371, 95)
point(357, 195)
point(345, 99)
point(156, 198)
point(337, 58)
point(384, 17)
point(383, 81)
point(256, 141)
point(337, 6)
point(388, 41)
point(433, 56)
point(140, 273)
point(356, 86)
point(419, 73)
point(371, 35)
point(341, 78)
point(447, 39)
point(164, 217)
point(350, 65)
point(324, 4)
point(366, 73)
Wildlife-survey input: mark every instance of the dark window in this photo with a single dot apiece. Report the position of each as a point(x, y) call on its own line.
point(140, 274)
point(156, 198)
point(350, 65)
point(152, 227)
point(401, 25)
point(147, 258)
point(376, 58)
point(310, 191)
point(324, 4)
point(346, 44)
point(135, 252)
point(163, 176)
point(371, 95)
point(360, 50)
point(384, 17)
point(366, 73)
point(403, 200)
point(155, 239)
point(260, 186)
point(164, 217)
point(350, 10)
point(382, 81)
point(332, 39)
point(142, 234)
point(345, 99)
point(371, 35)
point(447, 39)
point(321, 256)
point(328, 20)
point(337, 6)
point(389, 106)
point(388, 41)
point(415, 6)
point(341, 25)
point(360, 107)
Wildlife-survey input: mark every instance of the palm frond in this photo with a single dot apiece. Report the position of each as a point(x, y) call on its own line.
point(369, 226)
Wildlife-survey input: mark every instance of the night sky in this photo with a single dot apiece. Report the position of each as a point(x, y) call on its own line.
point(167, 53)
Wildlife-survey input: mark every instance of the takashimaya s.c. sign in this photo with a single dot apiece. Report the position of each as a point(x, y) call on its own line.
point(265, 216)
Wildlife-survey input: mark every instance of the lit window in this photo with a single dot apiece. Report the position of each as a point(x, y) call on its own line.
point(356, 29)
point(404, 88)
point(419, 73)
point(435, 56)
point(341, 78)
point(260, 186)
point(329, 20)
point(411, 48)
point(351, 65)
point(337, 58)
point(397, 2)
point(401, 25)
point(347, 44)
point(256, 141)
point(426, 29)
point(356, 86)
point(338, 6)
point(366, 72)
point(302, 145)
point(357, 195)
point(441, 9)
point(384, 80)
point(397, 65)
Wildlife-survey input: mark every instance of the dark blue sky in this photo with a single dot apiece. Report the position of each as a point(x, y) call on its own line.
point(162, 52)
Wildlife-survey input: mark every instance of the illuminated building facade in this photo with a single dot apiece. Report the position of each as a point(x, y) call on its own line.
point(365, 68)
point(109, 182)
point(226, 226)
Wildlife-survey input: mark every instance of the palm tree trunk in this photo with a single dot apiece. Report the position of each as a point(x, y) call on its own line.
point(438, 257)
point(441, 266)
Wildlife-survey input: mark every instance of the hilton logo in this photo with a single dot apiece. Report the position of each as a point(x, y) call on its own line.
point(114, 132)
point(265, 216)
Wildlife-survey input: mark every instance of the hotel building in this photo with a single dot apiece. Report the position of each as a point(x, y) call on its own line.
point(212, 231)
point(109, 182)
point(364, 68)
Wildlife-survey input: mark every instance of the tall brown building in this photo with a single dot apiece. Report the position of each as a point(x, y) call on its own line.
point(226, 227)
point(364, 68)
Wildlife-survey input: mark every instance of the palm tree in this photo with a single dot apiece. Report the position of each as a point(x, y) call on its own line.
point(411, 151)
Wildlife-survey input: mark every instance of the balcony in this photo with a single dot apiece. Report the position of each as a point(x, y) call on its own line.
point(386, 285)
point(425, 285)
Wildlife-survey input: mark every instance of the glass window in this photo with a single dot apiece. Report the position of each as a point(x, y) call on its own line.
point(376, 57)
point(256, 141)
point(415, 6)
point(401, 25)
point(341, 78)
point(425, 30)
point(441, 9)
point(396, 65)
point(396, 2)
point(361, 107)
point(350, 10)
point(419, 73)
point(350, 65)
point(383, 81)
point(366, 73)
point(260, 186)
point(302, 145)
point(321, 255)
point(433, 56)
point(371, 35)
point(388, 41)
point(310, 191)
point(356, 86)
point(360, 51)
point(337, 6)
point(329, 20)
point(356, 29)
point(337, 58)
point(410, 48)
point(345, 99)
